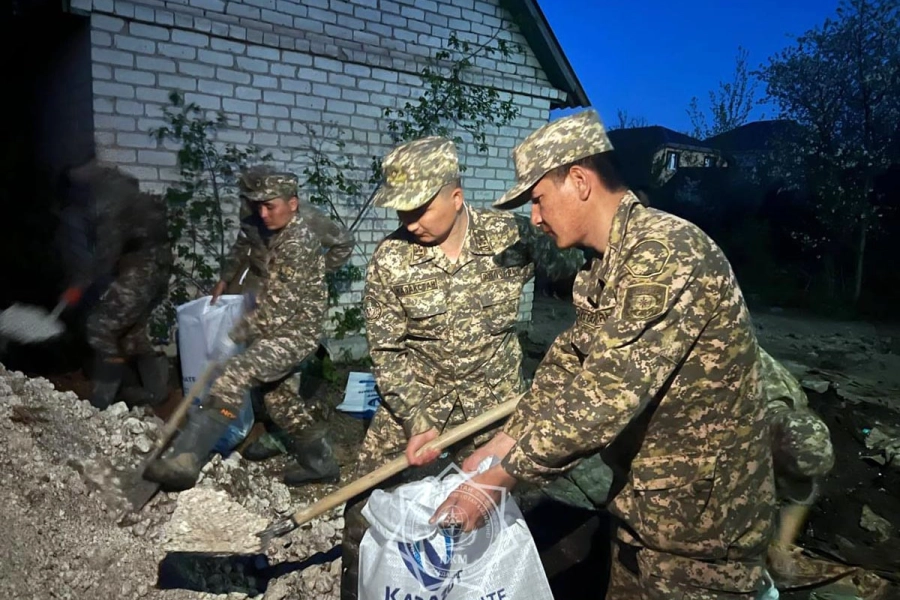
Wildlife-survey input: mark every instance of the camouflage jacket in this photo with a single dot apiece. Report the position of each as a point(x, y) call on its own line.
point(660, 371)
point(251, 247)
point(292, 305)
point(436, 327)
point(123, 227)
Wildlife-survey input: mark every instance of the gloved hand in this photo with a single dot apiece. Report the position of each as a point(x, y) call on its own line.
point(72, 295)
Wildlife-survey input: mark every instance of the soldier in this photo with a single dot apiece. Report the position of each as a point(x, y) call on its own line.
point(660, 371)
point(801, 444)
point(244, 269)
point(131, 261)
point(278, 335)
point(441, 306)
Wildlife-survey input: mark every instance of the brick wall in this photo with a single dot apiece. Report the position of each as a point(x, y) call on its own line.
point(278, 67)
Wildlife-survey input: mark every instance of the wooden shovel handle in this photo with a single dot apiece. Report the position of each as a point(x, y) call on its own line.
point(397, 465)
point(171, 426)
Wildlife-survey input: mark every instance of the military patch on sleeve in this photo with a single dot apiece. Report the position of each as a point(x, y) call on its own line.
point(648, 258)
point(373, 309)
point(287, 273)
point(645, 301)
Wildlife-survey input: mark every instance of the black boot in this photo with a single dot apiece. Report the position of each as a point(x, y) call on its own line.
point(266, 446)
point(106, 378)
point(315, 461)
point(154, 372)
point(179, 468)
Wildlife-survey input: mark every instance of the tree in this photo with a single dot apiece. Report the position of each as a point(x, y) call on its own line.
point(841, 83)
point(729, 105)
point(198, 227)
point(626, 121)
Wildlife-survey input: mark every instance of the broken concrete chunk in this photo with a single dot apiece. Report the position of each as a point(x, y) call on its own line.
point(878, 525)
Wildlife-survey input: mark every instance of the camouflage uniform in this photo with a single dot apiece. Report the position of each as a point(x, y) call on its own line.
point(131, 246)
point(660, 372)
point(244, 269)
point(441, 333)
point(801, 443)
point(287, 324)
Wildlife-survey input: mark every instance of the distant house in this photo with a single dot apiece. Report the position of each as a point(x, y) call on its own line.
point(650, 156)
point(749, 145)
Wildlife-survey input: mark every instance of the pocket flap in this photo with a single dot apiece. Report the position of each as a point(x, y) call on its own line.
point(672, 471)
point(498, 295)
point(422, 306)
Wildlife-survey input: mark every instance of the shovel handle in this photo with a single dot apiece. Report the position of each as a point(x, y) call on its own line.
point(180, 411)
point(397, 465)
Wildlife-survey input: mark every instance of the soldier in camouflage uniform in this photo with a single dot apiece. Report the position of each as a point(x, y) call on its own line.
point(278, 335)
point(131, 248)
point(441, 305)
point(244, 269)
point(659, 371)
point(801, 444)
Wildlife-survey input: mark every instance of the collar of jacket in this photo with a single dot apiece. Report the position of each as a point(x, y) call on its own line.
point(617, 233)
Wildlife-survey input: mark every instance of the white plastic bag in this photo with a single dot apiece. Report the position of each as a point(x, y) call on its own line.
point(402, 557)
point(203, 330)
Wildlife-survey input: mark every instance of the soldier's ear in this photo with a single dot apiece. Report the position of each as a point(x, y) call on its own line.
point(294, 203)
point(457, 196)
point(580, 180)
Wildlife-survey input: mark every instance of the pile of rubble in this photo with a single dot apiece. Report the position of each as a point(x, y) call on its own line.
point(63, 536)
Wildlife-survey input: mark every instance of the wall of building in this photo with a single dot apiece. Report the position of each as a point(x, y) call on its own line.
point(291, 74)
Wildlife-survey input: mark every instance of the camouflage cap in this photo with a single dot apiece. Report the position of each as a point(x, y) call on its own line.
point(555, 144)
point(415, 172)
point(260, 184)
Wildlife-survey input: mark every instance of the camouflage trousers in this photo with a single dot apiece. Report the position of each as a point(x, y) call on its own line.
point(268, 370)
point(118, 325)
point(629, 581)
point(386, 440)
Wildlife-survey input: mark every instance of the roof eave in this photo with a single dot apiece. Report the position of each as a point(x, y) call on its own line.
point(536, 29)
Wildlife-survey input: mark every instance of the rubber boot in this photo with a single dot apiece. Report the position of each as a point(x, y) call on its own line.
point(179, 468)
point(154, 373)
point(315, 461)
point(106, 378)
point(266, 446)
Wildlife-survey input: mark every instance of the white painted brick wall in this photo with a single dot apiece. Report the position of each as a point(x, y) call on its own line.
point(274, 66)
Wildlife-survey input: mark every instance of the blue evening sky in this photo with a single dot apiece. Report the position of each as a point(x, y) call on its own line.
point(650, 57)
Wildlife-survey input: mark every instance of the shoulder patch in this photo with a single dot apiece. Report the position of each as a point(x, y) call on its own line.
point(372, 308)
point(648, 259)
point(645, 301)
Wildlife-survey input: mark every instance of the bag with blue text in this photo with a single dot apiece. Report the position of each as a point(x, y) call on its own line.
point(203, 330)
point(402, 557)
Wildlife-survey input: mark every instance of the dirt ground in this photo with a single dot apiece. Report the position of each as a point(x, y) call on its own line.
point(856, 367)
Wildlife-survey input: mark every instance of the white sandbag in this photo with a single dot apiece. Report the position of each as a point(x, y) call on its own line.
point(402, 557)
point(203, 330)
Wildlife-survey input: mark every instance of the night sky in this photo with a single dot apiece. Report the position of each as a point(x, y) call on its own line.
point(650, 57)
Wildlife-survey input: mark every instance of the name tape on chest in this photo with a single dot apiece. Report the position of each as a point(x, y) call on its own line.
point(418, 287)
point(498, 274)
point(591, 318)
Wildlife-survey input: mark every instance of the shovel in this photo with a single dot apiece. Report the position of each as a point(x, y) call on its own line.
point(28, 324)
point(141, 490)
point(236, 531)
point(384, 472)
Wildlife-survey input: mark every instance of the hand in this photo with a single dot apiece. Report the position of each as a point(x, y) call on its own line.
point(469, 505)
point(72, 296)
point(415, 444)
point(218, 291)
point(498, 446)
